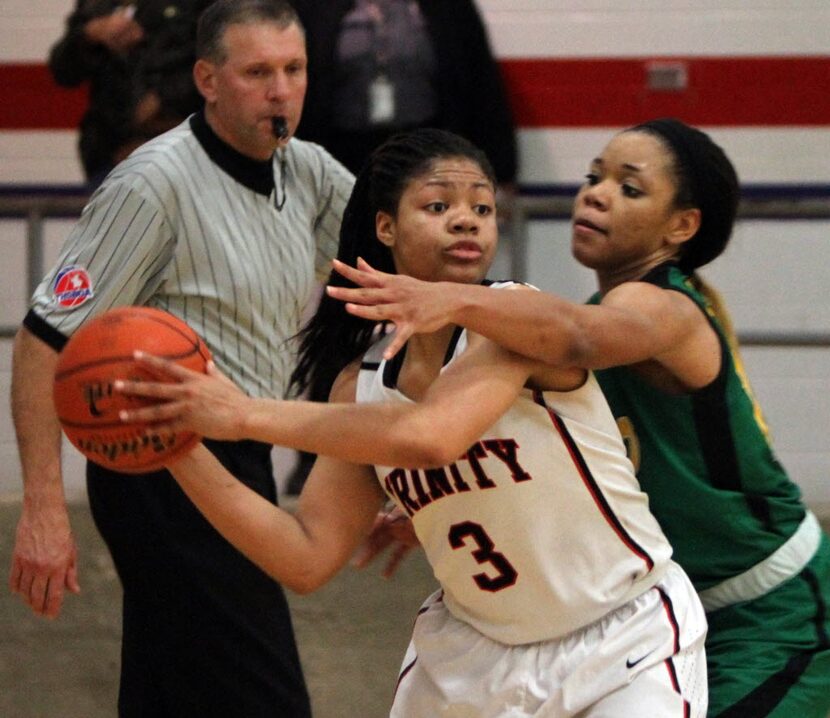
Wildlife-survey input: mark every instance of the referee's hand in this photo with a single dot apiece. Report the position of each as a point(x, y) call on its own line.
point(44, 561)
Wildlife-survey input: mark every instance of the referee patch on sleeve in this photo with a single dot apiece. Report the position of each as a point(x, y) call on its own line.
point(72, 286)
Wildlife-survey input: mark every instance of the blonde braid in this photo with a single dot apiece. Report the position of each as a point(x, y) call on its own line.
point(716, 307)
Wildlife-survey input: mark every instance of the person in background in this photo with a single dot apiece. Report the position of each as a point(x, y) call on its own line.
point(137, 59)
point(558, 596)
point(659, 203)
point(377, 67)
point(225, 221)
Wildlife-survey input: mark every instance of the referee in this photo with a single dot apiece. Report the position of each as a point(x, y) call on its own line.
point(223, 221)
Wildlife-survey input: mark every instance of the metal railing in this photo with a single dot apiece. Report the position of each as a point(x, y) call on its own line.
point(37, 205)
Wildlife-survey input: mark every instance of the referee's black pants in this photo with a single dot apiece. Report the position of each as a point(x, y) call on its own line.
point(205, 632)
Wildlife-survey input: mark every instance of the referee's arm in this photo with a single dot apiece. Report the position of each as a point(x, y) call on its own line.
point(44, 556)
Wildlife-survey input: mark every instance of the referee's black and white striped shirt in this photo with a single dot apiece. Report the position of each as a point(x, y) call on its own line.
point(229, 244)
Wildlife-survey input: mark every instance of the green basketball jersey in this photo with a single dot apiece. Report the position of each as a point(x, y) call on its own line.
point(705, 461)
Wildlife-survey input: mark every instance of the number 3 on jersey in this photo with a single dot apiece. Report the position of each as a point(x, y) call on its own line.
point(507, 575)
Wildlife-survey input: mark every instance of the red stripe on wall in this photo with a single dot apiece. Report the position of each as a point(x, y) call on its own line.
point(721, 91)
point(32, 101)
point(552, 92)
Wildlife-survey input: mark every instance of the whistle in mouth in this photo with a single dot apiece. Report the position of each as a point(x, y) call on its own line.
point(279, 127)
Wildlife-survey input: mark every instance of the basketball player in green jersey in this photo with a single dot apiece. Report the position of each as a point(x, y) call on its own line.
point(658, 203)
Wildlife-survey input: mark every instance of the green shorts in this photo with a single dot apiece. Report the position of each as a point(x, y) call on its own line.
point(771, 656)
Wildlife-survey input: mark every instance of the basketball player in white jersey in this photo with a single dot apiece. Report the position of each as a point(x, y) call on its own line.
point(224, 221)
point(558, 595)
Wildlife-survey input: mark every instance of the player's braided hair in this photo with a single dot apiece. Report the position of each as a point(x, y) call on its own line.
point(333, 337)
point(706, 180)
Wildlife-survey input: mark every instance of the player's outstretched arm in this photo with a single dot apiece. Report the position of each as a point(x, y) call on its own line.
point(210, 405)
point(635, 321)
point(537, 325)
point(431, 432)
point(412, 305)
point(44, 558)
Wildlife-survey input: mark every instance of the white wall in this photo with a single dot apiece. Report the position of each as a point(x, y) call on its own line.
point(544, 28)
point(531, 29)
point(588, 28)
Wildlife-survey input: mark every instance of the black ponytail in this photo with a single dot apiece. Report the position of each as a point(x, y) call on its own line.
point(706, 180)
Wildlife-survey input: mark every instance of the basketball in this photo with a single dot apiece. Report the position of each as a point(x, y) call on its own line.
point(100, 353)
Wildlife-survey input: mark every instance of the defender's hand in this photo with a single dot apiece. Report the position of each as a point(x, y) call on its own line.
point(414, 306)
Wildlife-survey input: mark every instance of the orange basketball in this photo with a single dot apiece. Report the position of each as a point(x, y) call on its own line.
point(100, 353)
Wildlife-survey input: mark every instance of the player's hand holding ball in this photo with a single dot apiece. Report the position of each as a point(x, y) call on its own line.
point(100, 355)
point(208, 404)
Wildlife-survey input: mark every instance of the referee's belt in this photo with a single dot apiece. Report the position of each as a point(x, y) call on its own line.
point(783, 564)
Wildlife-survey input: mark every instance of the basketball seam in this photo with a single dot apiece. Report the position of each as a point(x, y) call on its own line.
point(116, 359)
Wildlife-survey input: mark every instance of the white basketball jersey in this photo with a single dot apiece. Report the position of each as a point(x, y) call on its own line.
point(540, 528)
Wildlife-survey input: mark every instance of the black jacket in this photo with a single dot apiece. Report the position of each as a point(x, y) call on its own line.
point(471, 94)
point(162, 63)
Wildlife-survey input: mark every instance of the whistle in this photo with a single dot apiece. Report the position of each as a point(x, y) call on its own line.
point(279, 127)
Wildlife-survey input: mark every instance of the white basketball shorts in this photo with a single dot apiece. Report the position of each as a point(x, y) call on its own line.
point(644, 659)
